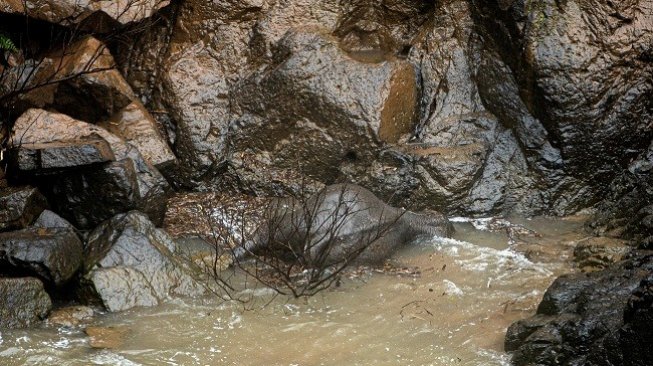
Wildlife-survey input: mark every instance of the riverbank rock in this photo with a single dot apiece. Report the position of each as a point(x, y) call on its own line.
point(23, 302)
point(597, 253)
point(19, 206)
point(91, 195)
point(54, 255)
point(129, 262)
point(600, 318)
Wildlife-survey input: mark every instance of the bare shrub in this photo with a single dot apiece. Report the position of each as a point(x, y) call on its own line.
point(295, 246)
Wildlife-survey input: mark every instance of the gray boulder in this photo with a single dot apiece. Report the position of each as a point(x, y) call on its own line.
point(49, 219)
point(48, 157)
point(19, 206)
point(128, 262)
point(23, 302)
point(53, 254)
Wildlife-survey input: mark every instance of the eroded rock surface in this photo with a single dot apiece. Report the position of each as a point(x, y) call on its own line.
point(583, 72)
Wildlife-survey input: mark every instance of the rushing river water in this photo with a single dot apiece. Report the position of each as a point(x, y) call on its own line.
point(454, 311)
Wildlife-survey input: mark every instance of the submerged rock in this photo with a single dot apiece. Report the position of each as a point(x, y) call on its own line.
point(129, 262)
point(19, 206)
point(53, 254)
point(598, 253)
point(23, 302)
point(588, 319)
point(71, 316)
point(107, 337)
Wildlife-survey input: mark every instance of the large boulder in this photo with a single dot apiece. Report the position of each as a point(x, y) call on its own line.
point(23, 302)
point(312, 80)
point(584, 76)
point(70, 12)
point(129, 262)
point(136, 126)
point(79, 79)
point(19, 206)
point(53, 254)
point(91, 195)
point(215, 47)
point(46, 157)
point(590, 319)
point(318, 108)
point(206, 54)
point(627, 210)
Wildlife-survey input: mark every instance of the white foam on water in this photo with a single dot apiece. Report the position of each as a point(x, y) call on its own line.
point(483, 259)
point(452, 289)
point(111, 358)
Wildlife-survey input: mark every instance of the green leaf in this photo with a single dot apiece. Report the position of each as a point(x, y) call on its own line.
point(6, 44)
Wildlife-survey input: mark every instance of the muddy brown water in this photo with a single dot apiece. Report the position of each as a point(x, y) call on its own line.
point(455, 312)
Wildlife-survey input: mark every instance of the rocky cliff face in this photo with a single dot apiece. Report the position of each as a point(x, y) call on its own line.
point(501, 106)
point(464, 106)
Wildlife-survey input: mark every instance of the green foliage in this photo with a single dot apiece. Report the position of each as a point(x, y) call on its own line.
point(6, 44)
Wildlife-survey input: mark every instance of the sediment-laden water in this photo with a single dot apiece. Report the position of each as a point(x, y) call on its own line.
point(448, 304)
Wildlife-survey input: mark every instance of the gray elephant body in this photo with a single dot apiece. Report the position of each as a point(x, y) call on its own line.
point(343, 223)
